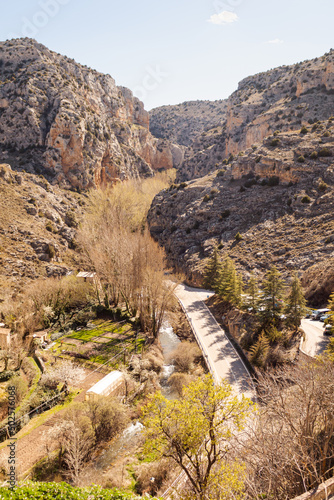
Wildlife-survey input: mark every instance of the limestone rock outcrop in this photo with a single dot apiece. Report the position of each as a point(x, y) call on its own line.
point(282, 99)
point(279, 197)
point(72, 124)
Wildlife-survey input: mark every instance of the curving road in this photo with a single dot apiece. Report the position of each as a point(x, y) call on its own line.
point(223, 360)
point(315, 341)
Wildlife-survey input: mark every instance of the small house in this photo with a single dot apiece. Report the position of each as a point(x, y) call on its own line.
point(40, 336)
point(111, 385)
point(90, 277)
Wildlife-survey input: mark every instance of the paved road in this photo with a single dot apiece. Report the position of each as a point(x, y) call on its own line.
point(223, 358)
point(315, 342)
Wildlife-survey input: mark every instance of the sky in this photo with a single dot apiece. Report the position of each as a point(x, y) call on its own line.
point(168, 52)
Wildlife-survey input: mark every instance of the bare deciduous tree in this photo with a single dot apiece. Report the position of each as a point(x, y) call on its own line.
point(290, 447)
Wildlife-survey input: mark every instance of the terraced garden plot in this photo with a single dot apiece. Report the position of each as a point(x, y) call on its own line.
point(105, 340)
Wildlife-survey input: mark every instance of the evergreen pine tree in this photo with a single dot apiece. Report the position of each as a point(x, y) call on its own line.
point(253, 295)
point(212, 271)
point(331, 307)
point(295, 307)
point(224, 278)
point(230, 285)
point(272, 295)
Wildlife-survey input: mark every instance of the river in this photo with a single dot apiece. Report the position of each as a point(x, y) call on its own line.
point(129, 438)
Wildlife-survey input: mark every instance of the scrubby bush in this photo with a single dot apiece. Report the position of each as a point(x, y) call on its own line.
point(303, 130)
point(324, 152)
point(59, 491)
point(274, 142)
point(238, 237)
point(322, 186)
point(178, 381)
point(306, 199)
point(226, 213)
point(185, 355)
point(273, 181)
point(21, 388)
point(301, 159)
point(314, 155)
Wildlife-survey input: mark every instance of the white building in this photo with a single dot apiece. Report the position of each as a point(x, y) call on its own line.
point(110, 385)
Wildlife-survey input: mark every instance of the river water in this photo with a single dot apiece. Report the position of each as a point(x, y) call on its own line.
point(130, 436)
point(169, 342)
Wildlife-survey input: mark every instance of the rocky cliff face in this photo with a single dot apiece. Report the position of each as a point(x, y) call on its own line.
point(278, 196)
point(38, 224)
point(282, 99)
point(71, 123)
point(182, 123)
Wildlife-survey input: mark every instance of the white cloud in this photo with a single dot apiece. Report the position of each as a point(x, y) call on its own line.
point(224, 17)
point(275, 41)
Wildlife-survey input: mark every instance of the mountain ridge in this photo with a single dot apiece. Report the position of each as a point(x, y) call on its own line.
point(283, 99)
point(71, 123)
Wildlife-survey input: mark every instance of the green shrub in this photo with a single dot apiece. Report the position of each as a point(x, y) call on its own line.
point(225, 214)
point(303, 130)
point(301, 159)
point(49, 227)
point(58, 491)
point(238, 237)
point(206, 198)
point(314, 155)
point(306, 199)
point(322, 186)
point(4, 376)
point(326, 134)
point(275, 142)
point(273, 181)
point(250, 183)
point(325, 152)
point(51, 251)
point(71, 219)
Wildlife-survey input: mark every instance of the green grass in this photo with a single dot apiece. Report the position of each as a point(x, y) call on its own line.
point(39, 420)
point(58, 491)
point(102, 329)
point(108, 337)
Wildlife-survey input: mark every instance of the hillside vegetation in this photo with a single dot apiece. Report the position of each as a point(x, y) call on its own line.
point(271, 205)
point(284, 99)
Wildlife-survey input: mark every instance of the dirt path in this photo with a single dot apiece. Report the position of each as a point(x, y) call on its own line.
point(30, 448)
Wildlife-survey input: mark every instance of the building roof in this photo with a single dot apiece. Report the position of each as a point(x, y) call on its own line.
point(40, 334)
point(106, 382)
point(83, 274)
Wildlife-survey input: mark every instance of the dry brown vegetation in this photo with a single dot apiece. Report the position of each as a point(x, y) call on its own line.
point(45, 303)
point(129, 264)
point(290, 446)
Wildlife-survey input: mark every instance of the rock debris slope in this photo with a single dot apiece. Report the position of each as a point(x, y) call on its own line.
point(277, 196)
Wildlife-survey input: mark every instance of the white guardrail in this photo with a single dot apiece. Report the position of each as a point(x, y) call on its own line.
point(208, 361)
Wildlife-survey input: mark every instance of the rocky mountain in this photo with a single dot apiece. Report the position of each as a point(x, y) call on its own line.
point(281, 99)
point(273, 204)
point(181, 124)
point(37, 229)
point(72, 124)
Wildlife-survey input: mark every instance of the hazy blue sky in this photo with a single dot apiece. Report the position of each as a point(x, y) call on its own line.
point(172, 51)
